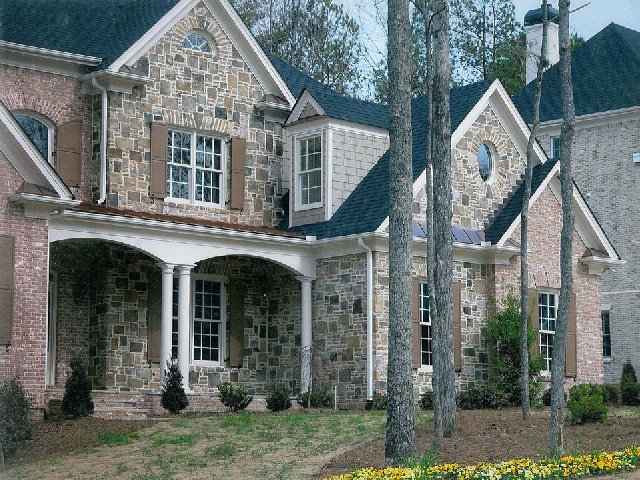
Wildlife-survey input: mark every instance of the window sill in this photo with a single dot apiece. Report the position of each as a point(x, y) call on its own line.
point(184, 201)
point(311, 206)
point(202, 363)
point(426, 369)
point(606, 359)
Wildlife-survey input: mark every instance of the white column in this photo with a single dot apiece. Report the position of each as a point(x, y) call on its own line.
point(184, 316)
point(306, 335)
point(166, 317)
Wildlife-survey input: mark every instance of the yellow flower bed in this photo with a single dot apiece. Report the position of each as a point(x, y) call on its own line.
point(524, 469)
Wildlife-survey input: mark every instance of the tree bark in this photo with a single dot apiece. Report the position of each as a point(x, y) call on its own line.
point(566, 277)
point(524, 227)
point(400, 437)
point(442, 334)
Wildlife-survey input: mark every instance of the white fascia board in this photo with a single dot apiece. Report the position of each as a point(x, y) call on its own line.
point(336, 124)
point(598, 265)
point(534, 196)
point(305, 99)
point(25, 158)
point(118, 82)
point(595, 119)
point(45, 60)
point(47, 53)
point(233, 27)
point(41, 206)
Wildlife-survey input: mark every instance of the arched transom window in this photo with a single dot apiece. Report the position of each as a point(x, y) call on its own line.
point(197, 42)
point(40, 134)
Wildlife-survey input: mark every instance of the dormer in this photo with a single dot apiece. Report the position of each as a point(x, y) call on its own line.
point(326, 155)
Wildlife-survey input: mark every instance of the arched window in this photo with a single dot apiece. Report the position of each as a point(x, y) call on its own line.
point(197, 42)
point(39, 132)
point(485, 162)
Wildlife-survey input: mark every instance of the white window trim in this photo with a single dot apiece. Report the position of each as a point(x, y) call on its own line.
point(424, 368)
point(607, 359)
point(192, 168)
point(544, 372)
point(206, 38)
point(223, 320)
point(551, 139)
point(296, 170)
point(51, 134)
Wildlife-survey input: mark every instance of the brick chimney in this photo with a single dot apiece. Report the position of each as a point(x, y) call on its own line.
point(533, 28)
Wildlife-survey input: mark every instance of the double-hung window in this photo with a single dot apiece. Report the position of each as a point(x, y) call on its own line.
point(555, 147)
point(547, 315)
point(426, 358)
point(606, 335)
point(195, 167)
point(310, 172)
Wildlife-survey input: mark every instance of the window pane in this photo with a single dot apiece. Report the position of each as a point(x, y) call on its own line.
point(37, 132)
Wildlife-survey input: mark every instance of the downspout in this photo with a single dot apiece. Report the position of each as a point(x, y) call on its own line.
point(369, 318)
point(103, 141)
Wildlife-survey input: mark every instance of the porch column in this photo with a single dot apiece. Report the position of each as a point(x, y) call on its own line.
point(306, 335)
point(184, 310)
point(166, 317)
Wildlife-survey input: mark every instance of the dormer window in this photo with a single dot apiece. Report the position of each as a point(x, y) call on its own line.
point(197, 42)
point(39, 132)
point(309, 179)
point(485, 162)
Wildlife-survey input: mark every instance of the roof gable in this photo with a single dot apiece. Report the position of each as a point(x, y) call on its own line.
point(605, 71)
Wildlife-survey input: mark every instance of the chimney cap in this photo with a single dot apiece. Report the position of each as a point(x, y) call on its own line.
point(535, 17)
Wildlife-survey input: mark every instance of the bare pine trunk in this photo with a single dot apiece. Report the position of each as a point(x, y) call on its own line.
point(566, 278)
point(524, 227)
point(442, 211)
point(400, 438)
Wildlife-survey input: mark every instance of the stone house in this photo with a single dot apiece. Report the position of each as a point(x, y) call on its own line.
point(606, 165)
point(169, 189)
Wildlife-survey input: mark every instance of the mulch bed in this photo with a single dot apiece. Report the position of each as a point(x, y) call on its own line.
point(493, 436)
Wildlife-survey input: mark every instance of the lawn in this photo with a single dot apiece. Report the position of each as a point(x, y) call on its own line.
point(290, 445)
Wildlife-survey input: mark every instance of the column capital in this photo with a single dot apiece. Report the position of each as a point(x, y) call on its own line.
point(166, 267)
point(185, 269)
point(306, 280)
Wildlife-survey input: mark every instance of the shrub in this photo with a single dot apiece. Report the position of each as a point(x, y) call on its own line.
point(173, 397)
point(503, 341)
point(15, 412)
point(378, 401)
point(278, 399)
point(478, 398)
point(611, 394)
point(631, 394)
point(320, 398)
point(586, 404)
point(546, 397)
point(426, 400)
point(628, 374)
point(234, 398)
point(77, 401)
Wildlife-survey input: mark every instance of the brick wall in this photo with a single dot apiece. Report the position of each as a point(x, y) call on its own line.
point(25, 358)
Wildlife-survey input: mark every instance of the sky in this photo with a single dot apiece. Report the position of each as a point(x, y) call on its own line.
point(586, 21)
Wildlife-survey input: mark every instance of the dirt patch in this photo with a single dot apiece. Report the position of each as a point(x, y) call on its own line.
point(52, 438)
point(492, 436)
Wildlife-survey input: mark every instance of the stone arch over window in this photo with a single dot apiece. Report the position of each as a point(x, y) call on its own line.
point(40, 130)
point(198, 41)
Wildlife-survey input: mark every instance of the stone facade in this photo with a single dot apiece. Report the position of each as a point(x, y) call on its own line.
point(203, 92)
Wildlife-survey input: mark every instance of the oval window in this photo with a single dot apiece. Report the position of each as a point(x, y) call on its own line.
point(485, 162)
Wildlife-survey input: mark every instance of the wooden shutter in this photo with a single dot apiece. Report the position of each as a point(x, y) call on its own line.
point(6, 288)
point(238, 152)
point(416, 340)
point(457, 327)
point(571, 363)
point(236, 330)
point(158, 186)
point(69, 153)
point(154, 316)
point(535, 321)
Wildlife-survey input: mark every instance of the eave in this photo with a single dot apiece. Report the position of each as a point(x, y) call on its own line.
point(41, 206)
point(113, 81)
point(46, 60)
point(598, 265)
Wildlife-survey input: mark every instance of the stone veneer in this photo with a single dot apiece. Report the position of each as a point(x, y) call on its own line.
point(206, 92)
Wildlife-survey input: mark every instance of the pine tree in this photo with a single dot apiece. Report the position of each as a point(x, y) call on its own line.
point(173, 397)
point(77, 401)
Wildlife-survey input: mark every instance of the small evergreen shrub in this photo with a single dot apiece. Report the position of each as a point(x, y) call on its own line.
point(77, 401)
point(320, 398)
point(586, 404)
point(279, 399)
point(546, 397)
point(631, 394)
point(611, 394)
point(378, 401)
point(234, 398)
point(15, 411)
point(426, 400)
point(628, 374)
point(173, 396)
point(479, 398)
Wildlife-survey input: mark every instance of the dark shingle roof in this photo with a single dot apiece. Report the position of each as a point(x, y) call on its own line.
point(98, 28)
point(335, 105)
point(513, 205)
point(605, 71)
point(368, 205)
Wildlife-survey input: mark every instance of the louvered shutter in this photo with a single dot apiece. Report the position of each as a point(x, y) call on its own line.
point(416, 341)
point(535, 321)
point(154, 316)
point(69, 153)
point(236, 330)
point(158, 186)
point(571, 361)
point(457, 327)
point(6, 288)
point(238, 153)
